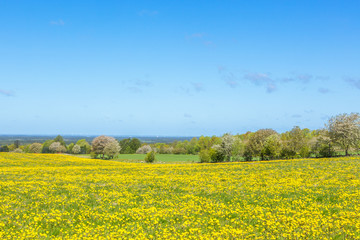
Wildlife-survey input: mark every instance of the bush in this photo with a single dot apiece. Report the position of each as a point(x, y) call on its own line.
point(248, 155)
point(4, 148)
point(93, 155)
point(204, 156)
point(305, 152)
point(150, 157)
point(216, 155)
point(325, 151)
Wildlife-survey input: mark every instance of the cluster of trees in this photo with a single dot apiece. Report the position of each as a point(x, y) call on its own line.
point(57, 145)
point(341, 133)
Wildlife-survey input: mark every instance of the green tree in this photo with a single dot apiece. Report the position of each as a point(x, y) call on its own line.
point(60, 139)
point(46, 145)
point(125, 146)
point(192, 147)
point(129, 145)
point(134, 144)
point(238, 148)
point(295, 142)
point(84, 145)
point(70, 147)
point(204, 143)
point(255, 144)
point(272, 147)
point(4, 148)
point(216, 154)
point(11, 147)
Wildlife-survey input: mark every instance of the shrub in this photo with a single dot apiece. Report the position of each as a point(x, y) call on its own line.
point(305, 152)
point(150, 157)
point(4, 148)
point(93, 155)
point(204, 156)
point(247, 155)
point(216, 155)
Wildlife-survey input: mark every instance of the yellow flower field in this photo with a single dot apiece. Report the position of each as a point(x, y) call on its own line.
point(64, 197)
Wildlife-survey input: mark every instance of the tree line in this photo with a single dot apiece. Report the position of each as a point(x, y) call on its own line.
point(340, 135)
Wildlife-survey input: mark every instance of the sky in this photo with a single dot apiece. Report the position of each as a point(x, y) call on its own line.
point(176, 68)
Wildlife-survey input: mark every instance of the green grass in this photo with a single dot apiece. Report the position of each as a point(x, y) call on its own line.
point(160, 158)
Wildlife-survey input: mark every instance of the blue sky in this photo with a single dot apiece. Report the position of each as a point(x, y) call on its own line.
point(170, 68)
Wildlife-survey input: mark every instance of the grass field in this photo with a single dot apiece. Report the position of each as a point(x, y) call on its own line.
point(160, 158)
point(64, 197)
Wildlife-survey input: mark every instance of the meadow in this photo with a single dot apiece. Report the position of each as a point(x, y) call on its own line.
point(65, 197)
point(160, 158)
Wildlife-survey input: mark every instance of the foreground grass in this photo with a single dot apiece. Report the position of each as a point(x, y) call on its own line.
point(57, 196)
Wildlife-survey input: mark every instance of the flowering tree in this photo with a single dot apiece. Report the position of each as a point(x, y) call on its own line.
point(76, 149)
point(344, 130)
point(99, 144)
point(144, 149)
point(112, 149)
point(35, 148)
point(57, 147)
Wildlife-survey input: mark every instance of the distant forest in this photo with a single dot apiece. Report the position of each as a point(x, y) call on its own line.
point(28, 139)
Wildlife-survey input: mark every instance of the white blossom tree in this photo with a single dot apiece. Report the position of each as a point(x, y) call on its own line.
point(56, 147)
point(35, 148)
point(76, 149)
point(99, 144)
point(112, 149)
point(344, 130)
point(144, 149)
